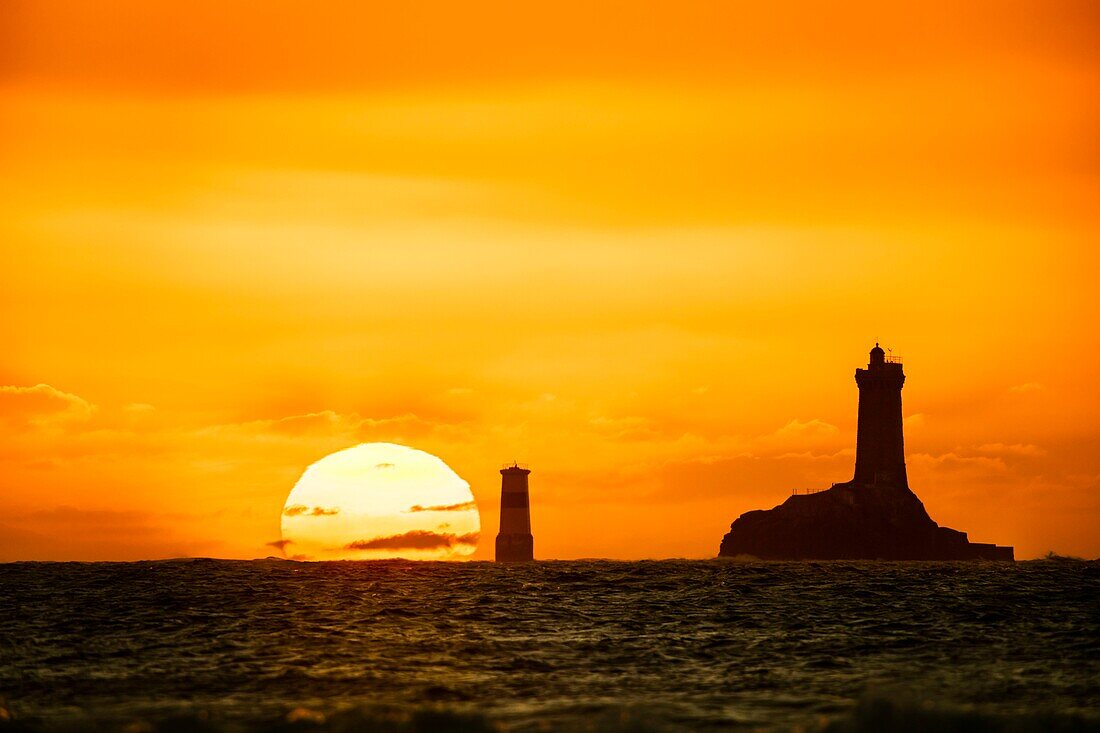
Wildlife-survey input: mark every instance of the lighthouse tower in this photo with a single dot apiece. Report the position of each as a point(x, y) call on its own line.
point(880, 448)
point(514, 542)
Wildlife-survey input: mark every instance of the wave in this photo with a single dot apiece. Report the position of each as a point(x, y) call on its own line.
point(872, 714)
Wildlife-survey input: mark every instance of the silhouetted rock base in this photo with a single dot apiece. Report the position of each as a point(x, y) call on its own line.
point(852, 522)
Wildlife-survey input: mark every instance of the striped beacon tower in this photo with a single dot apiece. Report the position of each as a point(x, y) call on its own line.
point(514, 542)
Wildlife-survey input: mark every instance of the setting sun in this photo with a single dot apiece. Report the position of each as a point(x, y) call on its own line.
point(380, 500)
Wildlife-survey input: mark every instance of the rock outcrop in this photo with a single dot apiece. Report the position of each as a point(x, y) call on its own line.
point(851, 522)
point(872, 517)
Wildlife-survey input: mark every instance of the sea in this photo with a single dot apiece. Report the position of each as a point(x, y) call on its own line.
point(712, 645)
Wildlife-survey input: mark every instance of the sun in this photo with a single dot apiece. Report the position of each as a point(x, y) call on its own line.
point(380, 500)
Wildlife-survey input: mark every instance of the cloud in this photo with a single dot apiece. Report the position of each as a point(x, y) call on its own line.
point(280, 545)
point(314, 422)
point(464, 506)
point(67, 532)
point(329, 425)
point(845, 453)
point(42, 405)
point(1026, 387)
point(298, 510)
point(797, 436)
point(326, 423)
point(955, 462)
point(1017, 449)
point(624, 428)
point(808, 429)
point(385, 465)
point(63, 518)
point(417, 539)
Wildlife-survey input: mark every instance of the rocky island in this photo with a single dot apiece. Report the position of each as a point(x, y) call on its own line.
point(875, 516)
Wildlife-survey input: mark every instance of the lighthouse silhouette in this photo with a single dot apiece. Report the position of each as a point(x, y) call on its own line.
point(514, 542)
point(875, 516)
point(880, 447)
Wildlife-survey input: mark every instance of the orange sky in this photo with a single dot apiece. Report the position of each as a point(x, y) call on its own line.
point(642, 247)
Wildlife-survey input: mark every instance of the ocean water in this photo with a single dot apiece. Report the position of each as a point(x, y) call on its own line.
point(591, 645)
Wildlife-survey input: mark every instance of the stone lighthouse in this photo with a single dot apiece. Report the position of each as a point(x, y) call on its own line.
point(880, 448)
point(514, 542)
point(875, 516)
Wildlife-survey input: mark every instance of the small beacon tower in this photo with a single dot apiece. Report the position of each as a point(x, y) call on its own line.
point(880, 447)
point(514, 542)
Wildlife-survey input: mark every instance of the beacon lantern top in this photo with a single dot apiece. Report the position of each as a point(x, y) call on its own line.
point(879, 357)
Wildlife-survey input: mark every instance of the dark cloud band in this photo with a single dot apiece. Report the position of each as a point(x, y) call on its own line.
point(299, 510)
point(417, 539)
point(464, 506)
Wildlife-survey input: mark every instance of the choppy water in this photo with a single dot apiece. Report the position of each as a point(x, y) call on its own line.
point(555, 645)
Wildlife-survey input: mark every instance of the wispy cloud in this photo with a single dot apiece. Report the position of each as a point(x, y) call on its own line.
point(464, 506)
point(42, 404)
point(417, 539)
point(329, 424)
point(624, 428)
point(1018, 449)
point(299, 510)
point(67, 532)
point(955, 462)
point(280, 545)
point(808, 429)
